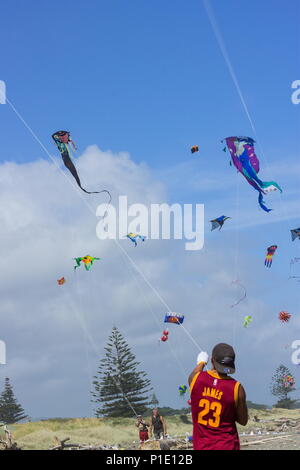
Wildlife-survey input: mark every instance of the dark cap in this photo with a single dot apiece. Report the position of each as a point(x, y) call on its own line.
point(224, 356)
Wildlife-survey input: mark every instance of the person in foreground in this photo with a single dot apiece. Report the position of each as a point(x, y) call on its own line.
point(217, 401)
point(143, 428)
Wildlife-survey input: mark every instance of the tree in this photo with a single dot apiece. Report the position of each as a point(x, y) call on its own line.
point(119, 388)
point(154, 401)
point(283, 384)
point(10, 410)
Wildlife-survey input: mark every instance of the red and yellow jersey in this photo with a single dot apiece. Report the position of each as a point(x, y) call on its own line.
point(213, 403)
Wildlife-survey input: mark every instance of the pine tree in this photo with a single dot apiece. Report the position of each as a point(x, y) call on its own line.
point(154, 401)
point(10, 410)
point(119, 388)
point(280, 388)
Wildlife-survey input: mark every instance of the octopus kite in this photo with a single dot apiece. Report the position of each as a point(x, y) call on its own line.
point(88, 262)
point(269, 257)
point(62, 140)
point(246, 162)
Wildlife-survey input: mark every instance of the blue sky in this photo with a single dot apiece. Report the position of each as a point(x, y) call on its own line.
point(149, 79)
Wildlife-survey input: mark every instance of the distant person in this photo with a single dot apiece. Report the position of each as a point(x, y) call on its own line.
point(158, 427)
point(143, 428)
point(217, 401)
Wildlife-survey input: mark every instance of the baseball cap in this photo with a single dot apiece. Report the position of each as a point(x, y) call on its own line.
point(224, 356)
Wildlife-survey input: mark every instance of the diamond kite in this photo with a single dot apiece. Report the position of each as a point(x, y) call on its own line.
point(269, 257)
point(88, 262)
point(246, 162)
point(218, 222)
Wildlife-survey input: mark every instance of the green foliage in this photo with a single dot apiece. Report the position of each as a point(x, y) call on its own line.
point(120, 389)
point(256, 406)
point(278, 387)
point(10, 410)
point(288, 404)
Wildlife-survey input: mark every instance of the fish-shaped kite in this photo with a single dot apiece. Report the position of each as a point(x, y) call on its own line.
point(88, 262)
point(134, 236)
point(269, 257)
point(246, 162)
point(218, 222)
point(295, 233)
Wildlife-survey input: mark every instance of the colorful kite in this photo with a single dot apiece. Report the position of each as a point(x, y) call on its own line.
point(219, 222)
point(247, 321)
point(172, 317)
point(194, 148)
point(284, 317)
point(295, 233)
point(88, 262)
point(165, 336)
point(244, 294)
point(288, 381)
point(61, 281)
point(245, 160)
point(62, 140)
point(182, 390)
point(269, 257)
point(134, 236)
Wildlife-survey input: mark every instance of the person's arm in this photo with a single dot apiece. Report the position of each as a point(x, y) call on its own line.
point(201, 363)
point(137, 423)
point(241, 407)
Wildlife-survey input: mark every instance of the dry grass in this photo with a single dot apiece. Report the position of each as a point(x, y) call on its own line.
point(122, 431)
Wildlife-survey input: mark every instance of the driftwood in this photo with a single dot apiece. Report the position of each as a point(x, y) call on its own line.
point(61, 445)
point(8, 443)
point(250, 443)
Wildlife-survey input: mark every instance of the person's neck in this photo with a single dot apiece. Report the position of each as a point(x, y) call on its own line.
point(223, 376)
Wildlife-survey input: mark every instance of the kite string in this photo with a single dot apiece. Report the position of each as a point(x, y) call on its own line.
point(92, 211)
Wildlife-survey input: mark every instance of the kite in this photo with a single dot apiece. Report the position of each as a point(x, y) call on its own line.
point(134, 236)
point(246, 162)
point(62, 140)
point(244, 294)
point(284, 317)
point(218, 222)
point(165, 336)
point(194, 148)
point(182, 390)
point(61, 281)
point(269, 257)
point(288, 381)
point(172, 317)
point(247, 321)
point(295, 233)
point(88, 262)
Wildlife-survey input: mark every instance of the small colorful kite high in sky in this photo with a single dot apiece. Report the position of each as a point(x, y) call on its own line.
point(134, 236)
point(88, 262)
point(246, 162)
point(182, 390)
point(269, 256)
point(218, 222)
point(295, 233)
point(61, 281)
point(194, 148)
point(172, 317)
point(247, 321)
point(284, 317)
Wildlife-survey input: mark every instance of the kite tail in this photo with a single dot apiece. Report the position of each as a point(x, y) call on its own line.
point(267, 184)
point(261, 202)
